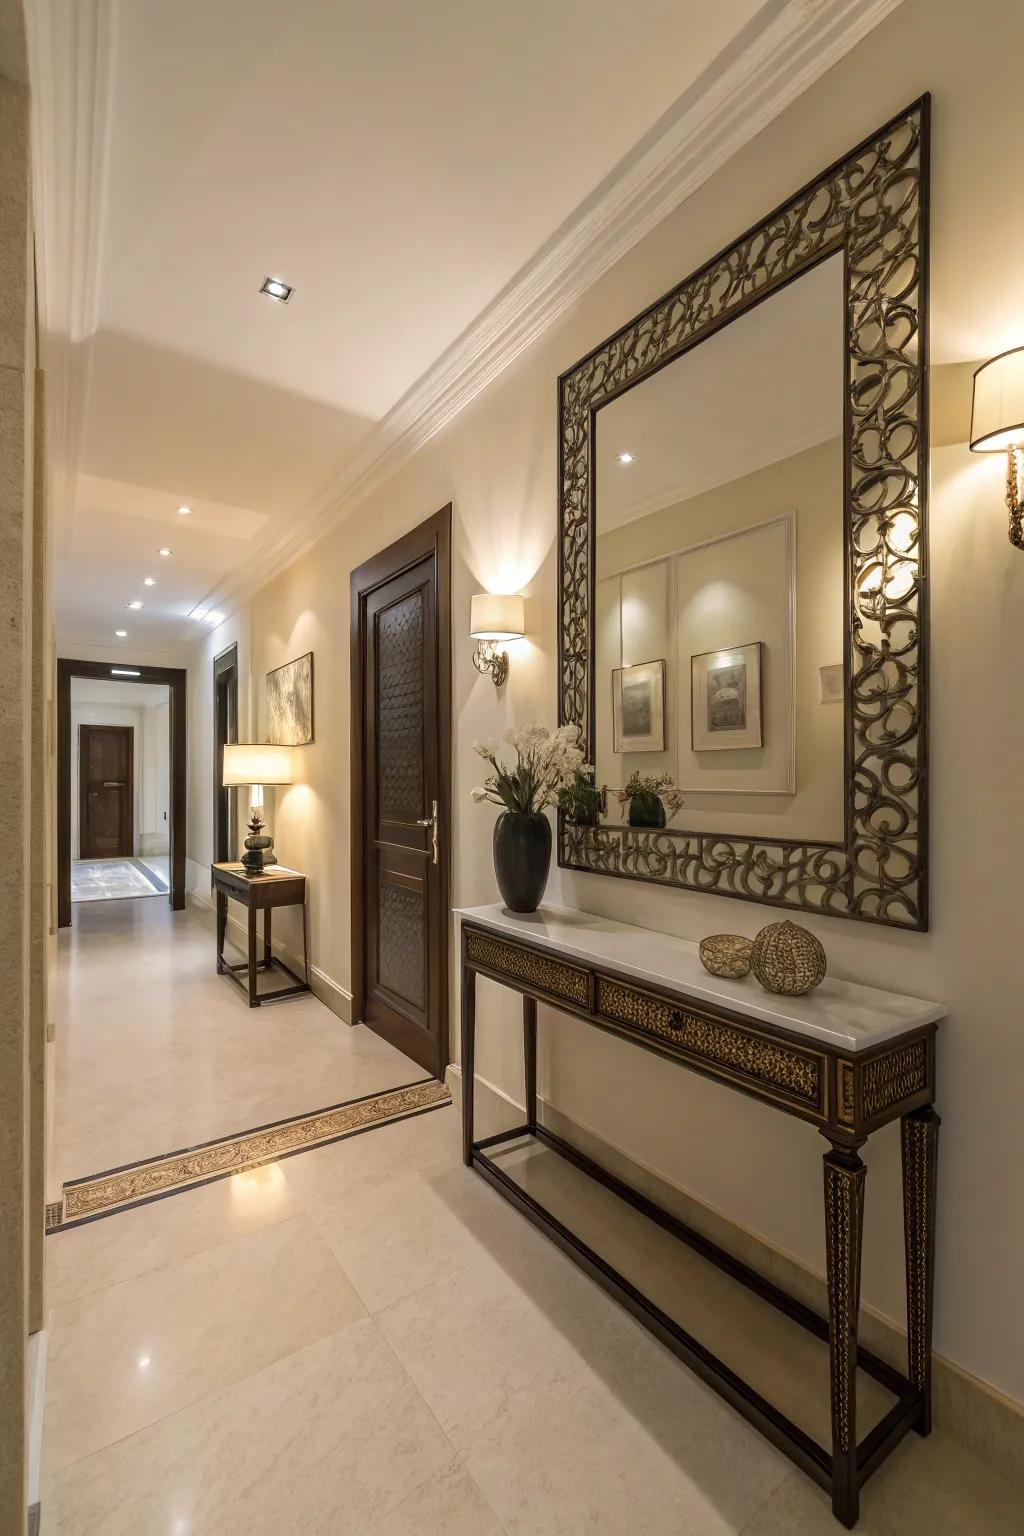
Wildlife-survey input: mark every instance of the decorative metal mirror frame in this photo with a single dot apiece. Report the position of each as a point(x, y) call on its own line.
point(872, 206)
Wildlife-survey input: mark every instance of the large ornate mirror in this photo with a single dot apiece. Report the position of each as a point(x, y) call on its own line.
point(743, 471)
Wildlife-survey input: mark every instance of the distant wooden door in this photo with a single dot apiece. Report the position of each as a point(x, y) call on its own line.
point(401, 763)
point(225, 729)
point(106, 771)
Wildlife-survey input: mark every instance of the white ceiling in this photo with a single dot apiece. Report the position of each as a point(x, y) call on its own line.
point(400, 164)
point(768, 385)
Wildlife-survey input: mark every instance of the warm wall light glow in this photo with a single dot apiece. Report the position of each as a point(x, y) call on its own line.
point(214, 617)
point(184, 511)
point(253, 762)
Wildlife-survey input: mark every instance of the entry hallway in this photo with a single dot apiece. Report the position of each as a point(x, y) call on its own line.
point(367, 1339)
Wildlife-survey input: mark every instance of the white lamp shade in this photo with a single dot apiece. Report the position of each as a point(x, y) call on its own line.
point(255, 762)
point(496, 617)
point(997, 420)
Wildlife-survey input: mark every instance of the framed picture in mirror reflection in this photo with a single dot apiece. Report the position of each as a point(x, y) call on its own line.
point(638, 707)
point(726, 699)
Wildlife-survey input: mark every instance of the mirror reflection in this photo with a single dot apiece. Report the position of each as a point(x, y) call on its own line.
point(719, 577)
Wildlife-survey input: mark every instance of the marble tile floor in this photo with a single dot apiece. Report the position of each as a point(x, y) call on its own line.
point(367, 1338)
point(156, 1052)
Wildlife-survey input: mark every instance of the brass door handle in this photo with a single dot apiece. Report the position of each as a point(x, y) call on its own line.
point(431, 821)
point(113, 783)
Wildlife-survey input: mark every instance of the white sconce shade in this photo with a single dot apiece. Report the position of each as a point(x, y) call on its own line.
point(252, 762)
point(496, 617)
point(997, 418)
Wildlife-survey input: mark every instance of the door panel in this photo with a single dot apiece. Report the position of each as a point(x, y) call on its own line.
point(401, 694)
point(106, 791)
point(400, 663)
point(225, 729)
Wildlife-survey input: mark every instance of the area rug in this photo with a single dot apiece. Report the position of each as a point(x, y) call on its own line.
point(113, 880)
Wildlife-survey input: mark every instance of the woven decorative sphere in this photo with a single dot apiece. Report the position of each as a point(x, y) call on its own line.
point(787, 959)
point(726, 954)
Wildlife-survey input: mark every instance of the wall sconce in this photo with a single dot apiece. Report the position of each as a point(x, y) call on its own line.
point(255, 763)
point(997, 422)
point(492, 619)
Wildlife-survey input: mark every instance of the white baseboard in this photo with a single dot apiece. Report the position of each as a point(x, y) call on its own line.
point(989, 1424)
point(329, 992)
point(36, 1377)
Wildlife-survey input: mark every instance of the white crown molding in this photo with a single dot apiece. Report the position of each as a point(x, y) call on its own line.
point(788, 46)
point(71, 54)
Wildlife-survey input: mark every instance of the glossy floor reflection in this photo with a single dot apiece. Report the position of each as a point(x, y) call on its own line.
point(155, 1051)
point(366, 1339)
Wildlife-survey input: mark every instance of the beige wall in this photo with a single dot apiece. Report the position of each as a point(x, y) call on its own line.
point(497, 463)
point(20, 684)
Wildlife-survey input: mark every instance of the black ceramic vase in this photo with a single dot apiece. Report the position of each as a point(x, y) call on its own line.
point(646, 810)
point(522, 858)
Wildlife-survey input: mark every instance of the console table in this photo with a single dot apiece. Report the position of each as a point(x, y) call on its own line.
point(272, 887)
point(847, 1059)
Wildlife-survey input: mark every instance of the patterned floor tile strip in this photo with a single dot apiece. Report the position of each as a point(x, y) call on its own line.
point(168, 1175)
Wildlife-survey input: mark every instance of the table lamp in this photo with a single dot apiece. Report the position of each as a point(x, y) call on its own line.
point(256, 763)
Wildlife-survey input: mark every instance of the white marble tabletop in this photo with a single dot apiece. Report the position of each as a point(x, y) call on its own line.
point(843, 1014)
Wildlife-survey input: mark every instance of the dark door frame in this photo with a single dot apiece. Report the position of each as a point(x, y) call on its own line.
point(83, 785)
point(225, 675)
point(434, 537)
point(175, 679)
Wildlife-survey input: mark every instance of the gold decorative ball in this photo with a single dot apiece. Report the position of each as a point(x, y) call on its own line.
point(726, 954)
point(787, 959)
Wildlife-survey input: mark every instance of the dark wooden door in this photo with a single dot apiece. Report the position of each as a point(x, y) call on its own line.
point(106, 773)
point(401, 794)
point(225, 729)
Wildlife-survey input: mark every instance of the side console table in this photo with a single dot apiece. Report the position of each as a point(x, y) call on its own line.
point(274, 886)
point(847, 1059)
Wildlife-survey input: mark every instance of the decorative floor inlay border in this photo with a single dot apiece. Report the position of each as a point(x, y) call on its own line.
point(118, 1189)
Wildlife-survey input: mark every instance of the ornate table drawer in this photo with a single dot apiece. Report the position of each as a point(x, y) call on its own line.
point(741, 1054)
point(547, 973)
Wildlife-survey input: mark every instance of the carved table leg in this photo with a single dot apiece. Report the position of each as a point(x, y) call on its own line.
point(919, 1133)
point(254, 1001)
point(530, 1057)
point(222, 928)
point(468, 1064)
point(844, 1219)
point(268, 947)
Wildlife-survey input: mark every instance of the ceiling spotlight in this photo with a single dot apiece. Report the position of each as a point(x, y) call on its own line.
point(149, 581)
point(625, 458)
point(165, 552)
point(184, 511)
point(136, 604)
point(275, 289)
point(122, 634)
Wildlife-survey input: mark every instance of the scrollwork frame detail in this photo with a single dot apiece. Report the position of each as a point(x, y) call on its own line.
point(872, 206)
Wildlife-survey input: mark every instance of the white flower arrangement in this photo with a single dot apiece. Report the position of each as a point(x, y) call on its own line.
point(546, 762)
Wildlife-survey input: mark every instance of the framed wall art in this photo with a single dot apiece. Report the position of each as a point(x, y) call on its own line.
point(638, 707)
point(290, 703)
point(726, 699)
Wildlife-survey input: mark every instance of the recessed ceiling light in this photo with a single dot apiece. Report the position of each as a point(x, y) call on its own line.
point(165, 552)
point(136, 604)
point(275, 288)
point(122, 634)
point(149, 581)
point(184, 511)
point(626, 458)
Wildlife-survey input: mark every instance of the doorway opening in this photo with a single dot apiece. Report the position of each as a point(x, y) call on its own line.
point(401, 792)
point(120, 784)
